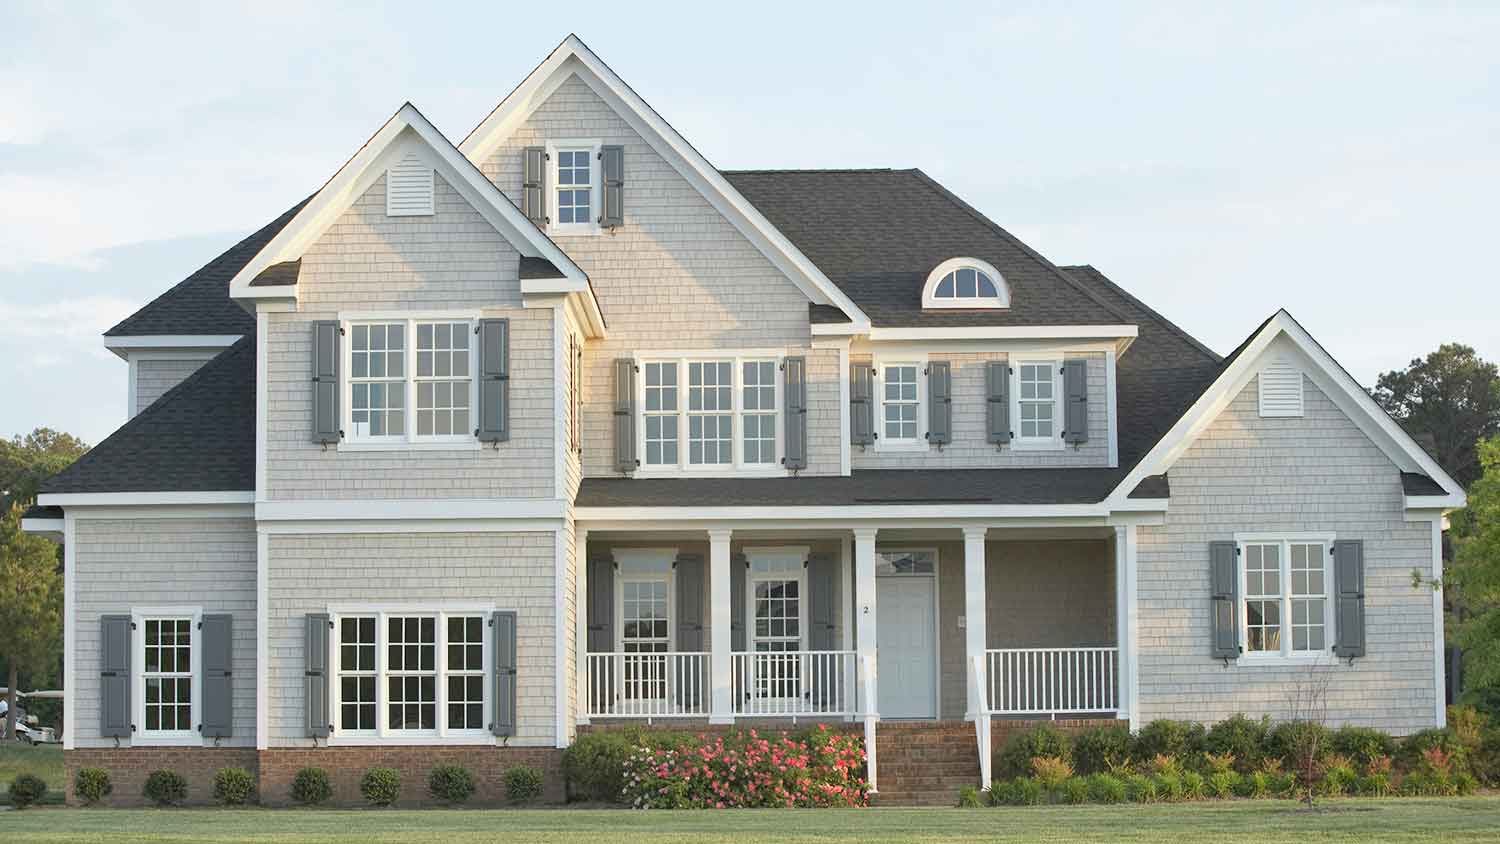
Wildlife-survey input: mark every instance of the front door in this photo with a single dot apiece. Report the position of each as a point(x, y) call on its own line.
point(906, 636)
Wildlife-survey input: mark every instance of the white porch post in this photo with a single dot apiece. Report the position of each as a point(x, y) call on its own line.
point(864, 599)
point(1127, 624)
point(975, 609)
point(720, 662)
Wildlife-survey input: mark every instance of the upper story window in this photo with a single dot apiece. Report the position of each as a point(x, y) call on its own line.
point(965, 283)
point(1037, 403)
point(574, 174)
point(901, 418)
point(393, 399)
point(710, 414)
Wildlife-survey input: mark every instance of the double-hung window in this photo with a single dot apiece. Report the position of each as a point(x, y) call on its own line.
point(706, 414)
point(1037, 408)
point(575, 181)
point(902, 392)
point(411, 382)
point(710, 413)
point(167, 676)
point(758, 411)
point(1286, 600)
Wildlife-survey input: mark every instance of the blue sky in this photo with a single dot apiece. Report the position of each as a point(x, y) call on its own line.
point(1219, 161)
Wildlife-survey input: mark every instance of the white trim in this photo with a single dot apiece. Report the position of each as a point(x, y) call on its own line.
point(262, 402)
point(559, 636)
point(846, 464)
point(123, 346)
point(409, 439)
point(573, 57)
point(1054, 441)
point(937, 619)
point(140, 736)
point(580, 624)
point(880, 513)
point(166, 511)
point(340, 526)
point(1000, 300)
point(440, 509)
point(1452, 501)
point(1439, 658)
point(1111, 399)
point(130, 387)
point(262, 640)
point(596, 181)
point(986, 332)
point(1326, 373)
point(43, 525)
point(562, 411)
point(125, 499)
point(1286, 655)
point(70, 630)
point(879, 364)
point(737, 467)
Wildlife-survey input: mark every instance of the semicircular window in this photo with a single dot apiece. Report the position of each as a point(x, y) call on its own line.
point(965, 283)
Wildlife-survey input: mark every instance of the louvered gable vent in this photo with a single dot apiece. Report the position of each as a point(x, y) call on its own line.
point(1280, 389)
point(408, 187)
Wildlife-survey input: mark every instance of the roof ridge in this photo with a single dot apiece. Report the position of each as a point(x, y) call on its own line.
point(819, 170)
point(1170, 325)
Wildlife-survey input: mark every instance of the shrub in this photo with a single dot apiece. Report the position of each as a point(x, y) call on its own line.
point(451, 784)
point(233, 786)
point(1028, 791)
point(1094, 750)
point(1361, 744)
point(1106, 788)
point(1172, 738)
point(1215, 763)
point(1291, 742)
point(523, 783)
point(165, 788)
point(1051, 771)
point(1484, 759)
point(1239, 737)
point(92, 785)
point(380, 786)
point(1140, 788)
point(1338, 775)
point(1075, 790)
point(1282, 784)
point(1164, 764)
point(1468, 724)
point(1223, 784)
point(1464, 783)
point(1255, 785)
point(744, 769)
point(1041, 740)
point(26, 789)
point(1169, 786)
point(1002, 793)
point(595, 764)
point(1414, 749)
point(1194, 787)
point(1373, 785)
point(969, 797)
point(310, 786)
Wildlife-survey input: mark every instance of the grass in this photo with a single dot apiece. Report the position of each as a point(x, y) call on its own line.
point(43, 760)
point(1260, 822)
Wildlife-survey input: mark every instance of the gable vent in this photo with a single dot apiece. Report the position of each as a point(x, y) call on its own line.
point(408, 188)
point(1280, 389)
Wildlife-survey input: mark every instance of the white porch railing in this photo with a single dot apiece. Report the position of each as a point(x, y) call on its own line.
point(1052, 681)
point(648, 685)
point(794, 683)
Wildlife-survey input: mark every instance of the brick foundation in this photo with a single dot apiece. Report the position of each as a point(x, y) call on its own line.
point(275, 769)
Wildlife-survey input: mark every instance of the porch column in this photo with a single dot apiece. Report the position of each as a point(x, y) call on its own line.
point(1127, 624)
point(720, 616)
point(864, 602)
point(974, 617)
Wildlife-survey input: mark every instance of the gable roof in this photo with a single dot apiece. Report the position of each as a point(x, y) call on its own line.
point(877, 234)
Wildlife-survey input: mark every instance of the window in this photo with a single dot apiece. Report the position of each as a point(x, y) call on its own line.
point(167, 676)
point(394, 401)
point(1036, 403)
point(706, 415)
point(645, 621)
point(901, 394)
point(965, 283)
point(411, 673)
point(575, 181)
point(1286, 599)
point(905, 562)
point(777, 586)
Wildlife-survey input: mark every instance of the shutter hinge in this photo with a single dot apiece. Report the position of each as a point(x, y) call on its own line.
point(1236, 550)
point(132, 625)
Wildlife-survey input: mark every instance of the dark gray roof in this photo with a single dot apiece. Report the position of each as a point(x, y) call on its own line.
point(278, 275)
point(1415, 483)
point(198, 437)
point(877, 234)
point(37, 511)
point(200, 303)
point(538, 268)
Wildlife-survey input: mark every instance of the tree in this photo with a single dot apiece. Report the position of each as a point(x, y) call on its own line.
point(30, 604)
point(1452, 396)
point(1474, 581)
point(25, 462)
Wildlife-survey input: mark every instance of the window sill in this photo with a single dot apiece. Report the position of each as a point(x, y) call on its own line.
point(574, 229)
point(189, 739)
point(1296, 659)
point(468, 444)
point(471, 739)
point(728, 472)
point(1049, 444)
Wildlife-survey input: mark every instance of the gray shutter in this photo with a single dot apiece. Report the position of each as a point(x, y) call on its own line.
point(997, 401)
point(691, 673)
point(625, 459)
point(504, 723)
point(1076, 398)
point(600, 611)
point(821, 607)
point(861, 404)
point(612, 166)
point(1349, 589)
point(325, 382)
point(737, 565)
point(315, 674)
point(217, 640)
point(114, 676)
point(939, 403)
point(534, 185)
point(494, 381)
point(1225, 587)
point(795, 429)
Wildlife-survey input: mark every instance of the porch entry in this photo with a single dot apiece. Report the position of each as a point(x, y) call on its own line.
point(906, 634)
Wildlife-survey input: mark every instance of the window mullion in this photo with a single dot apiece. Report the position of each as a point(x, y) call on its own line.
point(440, 663)
point(736, 422)
point(382, 696)
point(1286, 598)
point(682, 414)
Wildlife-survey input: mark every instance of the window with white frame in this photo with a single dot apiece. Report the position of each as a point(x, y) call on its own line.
point(778, 585)
point(644, 580)
point(1286, 601)
point(575, 181)
point(704, 415)
point(394, 399)
point(901, 402)
point(411, 672)
point(965, 283)
point(167, 676)
point(1037, 403)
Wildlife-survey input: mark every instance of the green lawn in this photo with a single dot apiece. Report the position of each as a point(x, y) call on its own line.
point(1261, 822)
point(43, 760)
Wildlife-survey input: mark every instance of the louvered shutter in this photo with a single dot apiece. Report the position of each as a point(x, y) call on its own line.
point(534, 185)
point(494, 381)
point(691, 676)
point(821, 578)
point(861, 404)
point(939, 403)
point(795, 429)
point(1076, 401)
point(997, 401)
point(600, 610)
point(612, 167)
point(114, 676)
point(1349, 588)
point(737, 566)
point(325, 382)
point(315, 675)
point(504, 709)
point(625, 459)
point(218, 675)
point(1224, 588)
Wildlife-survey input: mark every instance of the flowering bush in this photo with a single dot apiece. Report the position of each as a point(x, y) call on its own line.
point(746, 769)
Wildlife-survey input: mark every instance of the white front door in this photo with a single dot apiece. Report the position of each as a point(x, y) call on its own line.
point(906, 635)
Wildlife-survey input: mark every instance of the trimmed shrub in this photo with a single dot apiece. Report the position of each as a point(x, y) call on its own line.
point(1292, 742)
point(523, 783)
point(1051, 771)
point(595, 764)
point(1095, 750)
point(1106, 788)
point(1484, 760)
point(1041, 740)
point(1411, 754)
point(744, 769)
point(1223, 784)
point(26, 789)
point(1361, 744)
point(310, 786)
point(165, 788)
point(969, 797)
point(1240, 737)
point(233, 786)
point(380, 786)
point(1172, 738)
point(451, 784)
point(92, 785)
point(1075, 790)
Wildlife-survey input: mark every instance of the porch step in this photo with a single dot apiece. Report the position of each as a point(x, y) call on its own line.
point(925, 763)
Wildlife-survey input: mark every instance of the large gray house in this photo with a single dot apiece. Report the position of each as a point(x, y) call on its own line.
point(563, 426)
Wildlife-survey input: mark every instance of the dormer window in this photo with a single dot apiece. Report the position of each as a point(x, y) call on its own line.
point(965, 283)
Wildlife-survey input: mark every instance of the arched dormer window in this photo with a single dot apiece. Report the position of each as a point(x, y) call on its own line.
point(965, 283)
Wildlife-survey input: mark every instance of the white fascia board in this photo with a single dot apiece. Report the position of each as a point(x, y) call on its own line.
point(572, 56)
point(581, 306)
point(47, 527)
point(143, 499)
point(835, 513)
point(125, 346)
point(496, 509)
point(989, 332)
point(1434, 502)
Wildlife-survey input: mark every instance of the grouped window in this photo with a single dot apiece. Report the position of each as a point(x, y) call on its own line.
point(1286, 602)
point(704, 414)
point(406, 673)
point(410, 381)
